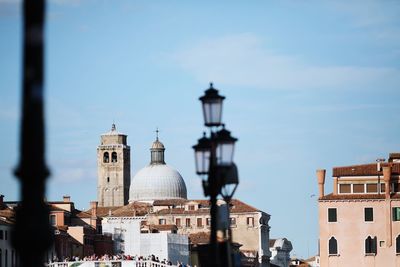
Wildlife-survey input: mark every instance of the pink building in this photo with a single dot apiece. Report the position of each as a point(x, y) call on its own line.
point(360, 221)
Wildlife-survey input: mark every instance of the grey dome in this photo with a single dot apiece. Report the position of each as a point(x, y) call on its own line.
point(157, 181)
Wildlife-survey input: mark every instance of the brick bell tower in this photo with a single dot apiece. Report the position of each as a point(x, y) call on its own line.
point(114, 169)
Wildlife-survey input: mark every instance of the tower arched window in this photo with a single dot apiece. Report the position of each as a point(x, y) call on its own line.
point(332, 246)
point(106, 157)
point(370, 245)
point(114, 157)
point(398, 244)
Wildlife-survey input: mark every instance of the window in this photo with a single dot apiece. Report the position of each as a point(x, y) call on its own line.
point(368, 214)
point(372, 188)
point(5, 235)
point(108, 179)
point(382, 188)
point(233, 221)
point(208, 221)
point(161, 221)
point(178, 222)
point(332, 215)
point(114, 157)
point(332, 246)
point(250, 221)
point(106, 157)
point(398, 244)
point(187, 222)
point(1, 258)
point(395, 187)
point(199, 222)
point(396, 213)
point(53, 220)
point(344, 188)
point(191, 207)
point(370, 245)
point(1, 234)
point(358, 188)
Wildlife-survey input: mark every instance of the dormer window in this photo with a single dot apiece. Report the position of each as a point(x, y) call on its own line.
point(114, 157)
point(106, 157)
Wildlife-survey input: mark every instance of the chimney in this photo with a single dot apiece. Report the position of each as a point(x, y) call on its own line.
point(1, 200)
point(66, 199)
point(93, 207)
point(387, 173)
point(321, 181)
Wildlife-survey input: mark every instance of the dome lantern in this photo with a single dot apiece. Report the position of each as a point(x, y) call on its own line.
point(157, 152)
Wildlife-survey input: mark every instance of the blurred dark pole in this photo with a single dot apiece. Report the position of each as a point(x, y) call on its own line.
point(32, 234)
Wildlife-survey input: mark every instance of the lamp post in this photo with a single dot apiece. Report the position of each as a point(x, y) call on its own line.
point(214, 162)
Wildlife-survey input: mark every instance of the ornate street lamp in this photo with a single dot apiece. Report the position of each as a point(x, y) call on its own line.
point(214, 162)
point(212, 107)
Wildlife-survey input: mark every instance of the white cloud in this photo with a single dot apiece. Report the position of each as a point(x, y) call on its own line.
point(244, 60)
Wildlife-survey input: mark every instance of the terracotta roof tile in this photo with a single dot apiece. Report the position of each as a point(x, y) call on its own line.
point(364, 169)
point(169, 202)
point(199, 238)
point(357, 196)
point(237, 206)
point(163, 227)
point(104, 211)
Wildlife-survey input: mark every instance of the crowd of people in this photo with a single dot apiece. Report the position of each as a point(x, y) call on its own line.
point(119, 257)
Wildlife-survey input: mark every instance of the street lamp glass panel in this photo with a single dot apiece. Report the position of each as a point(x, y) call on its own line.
point(225, 154)
point(212, 107)
point(212, 112)
point(202, 161)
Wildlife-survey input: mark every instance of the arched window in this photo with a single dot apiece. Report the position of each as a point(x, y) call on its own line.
point(333, 246)
point(370, 245)
point(108, 179)
point(114, 157)
point(106, 157)
point(398, 244)
point(1, 258)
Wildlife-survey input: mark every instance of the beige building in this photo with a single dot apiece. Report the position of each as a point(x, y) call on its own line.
point(360, 221)
point(113, 165)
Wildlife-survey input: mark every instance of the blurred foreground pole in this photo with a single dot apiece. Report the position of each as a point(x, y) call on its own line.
point(33, 235)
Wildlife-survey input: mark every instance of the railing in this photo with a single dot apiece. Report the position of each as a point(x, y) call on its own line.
point(112, 263)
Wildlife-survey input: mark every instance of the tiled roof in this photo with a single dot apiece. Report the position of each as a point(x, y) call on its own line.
point(169, 202)
point(132, 209)
point(162, 227)
point(104, 211)
point(357, 196)
point(364, 170)
point(237, 206)
point(55, 208)
point(82, 214)
point(199, 238)
point(272, 242)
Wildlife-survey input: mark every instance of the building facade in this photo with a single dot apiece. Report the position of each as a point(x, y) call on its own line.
point(158, 200)
point(113, 165)
point(360, 221)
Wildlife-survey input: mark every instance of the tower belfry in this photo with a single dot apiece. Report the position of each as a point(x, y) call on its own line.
point(113, 166)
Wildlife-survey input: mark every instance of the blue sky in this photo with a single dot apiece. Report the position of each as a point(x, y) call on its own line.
point(309, 84)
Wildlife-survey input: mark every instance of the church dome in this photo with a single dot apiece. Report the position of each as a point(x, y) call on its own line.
point(157, 181)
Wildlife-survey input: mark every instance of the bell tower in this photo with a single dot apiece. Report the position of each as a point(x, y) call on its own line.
point(113, 169)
